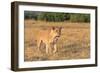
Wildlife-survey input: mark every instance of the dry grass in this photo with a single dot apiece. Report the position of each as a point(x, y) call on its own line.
point(74, 42)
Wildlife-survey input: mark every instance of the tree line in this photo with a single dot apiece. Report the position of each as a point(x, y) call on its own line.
point(57, 17)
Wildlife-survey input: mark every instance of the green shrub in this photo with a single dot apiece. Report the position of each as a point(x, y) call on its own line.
point(79, 18)
point(57, 17)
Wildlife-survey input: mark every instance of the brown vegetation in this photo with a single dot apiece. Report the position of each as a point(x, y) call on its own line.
point(74, 42)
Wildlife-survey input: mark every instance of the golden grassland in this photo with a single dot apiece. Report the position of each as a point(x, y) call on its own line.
point(74, 42)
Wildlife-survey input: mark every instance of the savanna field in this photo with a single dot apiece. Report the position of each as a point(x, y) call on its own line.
point(74, 42)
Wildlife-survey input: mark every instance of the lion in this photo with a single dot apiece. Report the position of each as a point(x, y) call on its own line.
point(49, 37)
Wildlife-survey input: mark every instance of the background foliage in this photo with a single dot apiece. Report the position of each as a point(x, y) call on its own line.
point(57, 17)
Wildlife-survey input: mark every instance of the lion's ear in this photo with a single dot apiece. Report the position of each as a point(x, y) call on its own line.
point(53, 28)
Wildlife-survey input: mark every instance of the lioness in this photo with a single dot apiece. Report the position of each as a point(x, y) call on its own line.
point(49, 37)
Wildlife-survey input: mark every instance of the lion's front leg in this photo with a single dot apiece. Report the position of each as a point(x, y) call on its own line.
point(38, 45)
point(47, 48)
point(55, 48)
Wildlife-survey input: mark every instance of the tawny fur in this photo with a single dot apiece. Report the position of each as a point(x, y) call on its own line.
point(48, 37)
